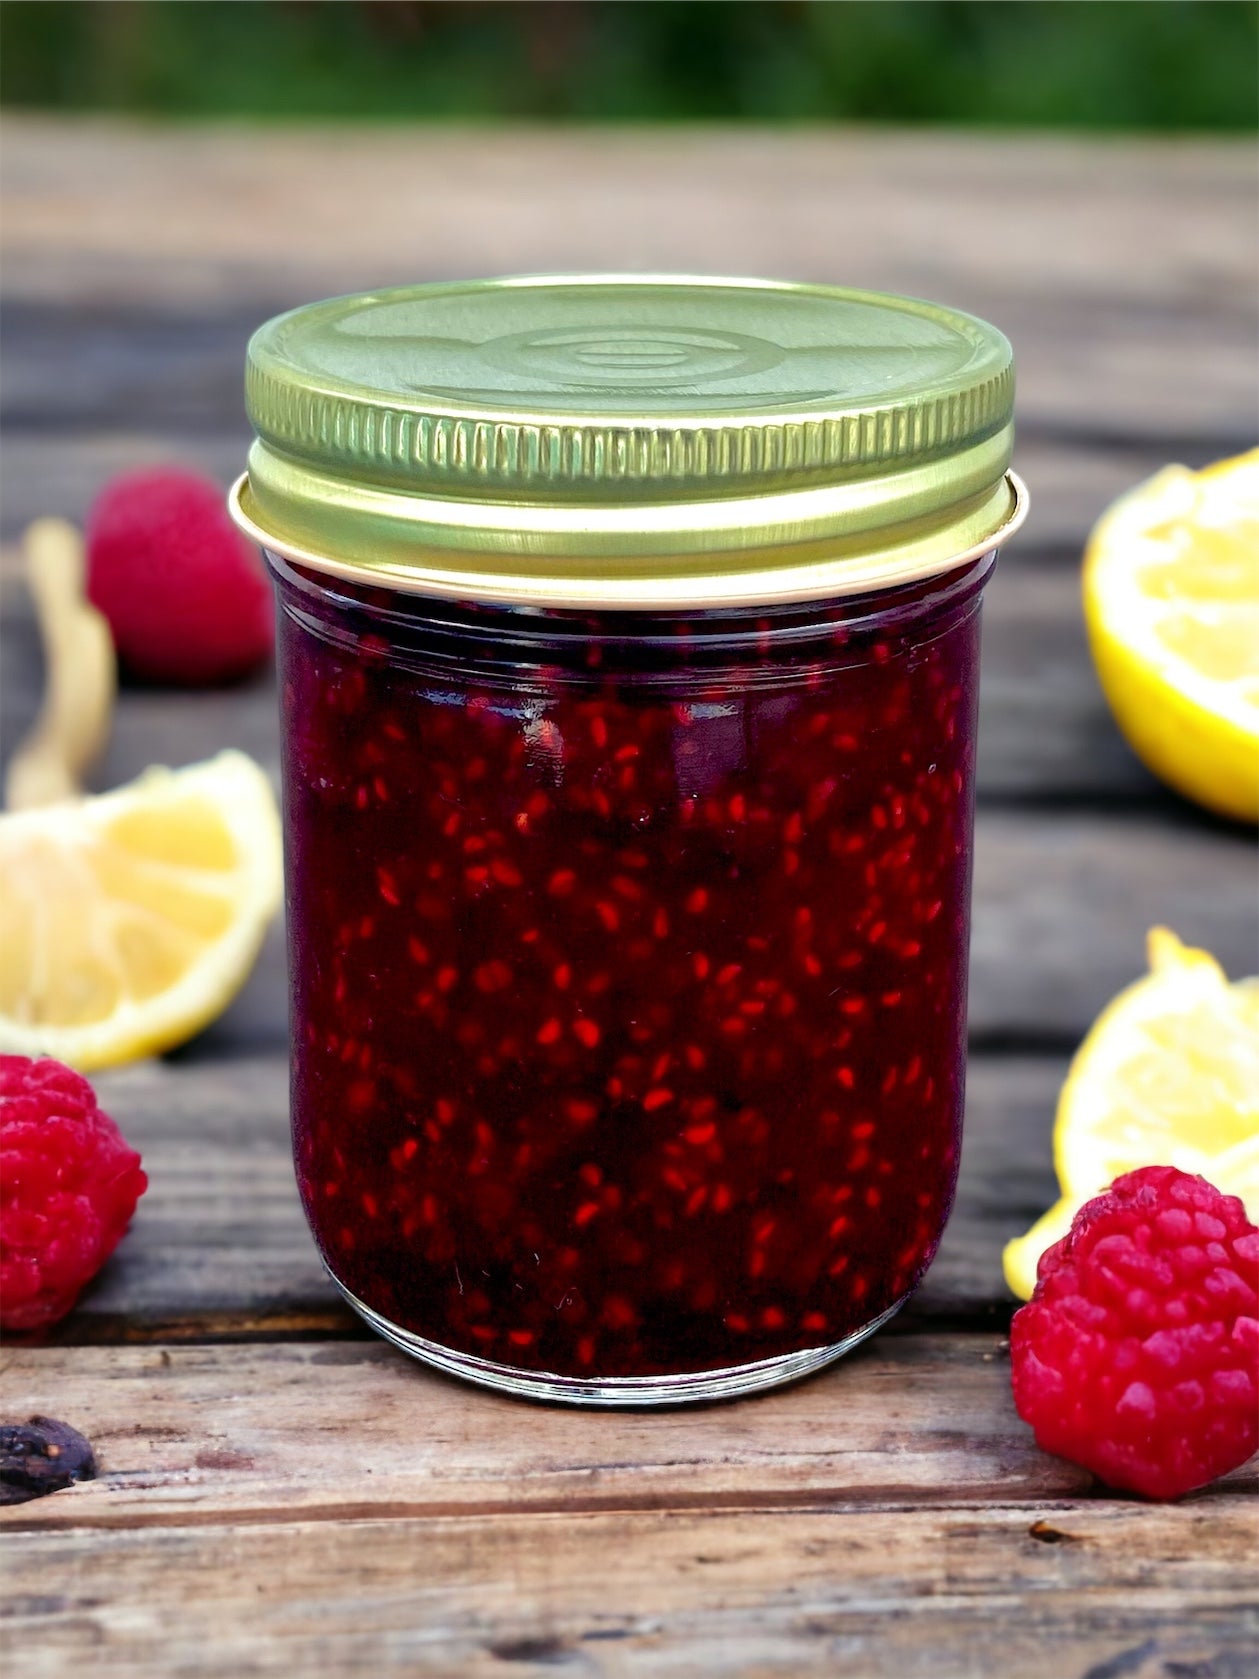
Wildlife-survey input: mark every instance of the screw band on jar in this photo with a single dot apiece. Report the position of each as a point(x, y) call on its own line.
point(820, 571)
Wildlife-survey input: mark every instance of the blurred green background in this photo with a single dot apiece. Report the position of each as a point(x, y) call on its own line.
point(1090, 64)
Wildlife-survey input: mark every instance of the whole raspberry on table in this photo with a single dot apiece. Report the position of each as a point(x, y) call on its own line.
point(1138, 1355)
point(184, 593)
point(68, 1187)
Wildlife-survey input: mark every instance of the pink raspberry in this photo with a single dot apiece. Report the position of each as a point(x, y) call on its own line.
point(68, 1187)
point(1138, 1355)
point(184, 593)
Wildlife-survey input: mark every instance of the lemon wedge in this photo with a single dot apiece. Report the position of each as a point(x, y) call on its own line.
point(1167, 1076)
point(1171, 601)
point(129, 920)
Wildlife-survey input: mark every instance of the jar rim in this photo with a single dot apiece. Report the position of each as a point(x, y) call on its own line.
point(819, 578)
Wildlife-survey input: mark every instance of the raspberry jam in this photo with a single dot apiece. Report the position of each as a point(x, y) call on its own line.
point(628, 960)
point(628, 638)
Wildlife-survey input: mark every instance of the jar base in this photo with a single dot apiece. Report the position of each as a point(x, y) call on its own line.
point(618, 1392)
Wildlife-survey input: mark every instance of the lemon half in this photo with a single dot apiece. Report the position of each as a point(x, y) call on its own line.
point(1171, 600)
point(1167, 1076)
point(129, 920)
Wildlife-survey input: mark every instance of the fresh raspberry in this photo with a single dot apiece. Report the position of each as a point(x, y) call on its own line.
point(68, 1187)
point(185, 595)
point(1138, 1354)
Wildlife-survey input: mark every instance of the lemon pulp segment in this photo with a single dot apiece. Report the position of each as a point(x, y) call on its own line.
point(130, 919)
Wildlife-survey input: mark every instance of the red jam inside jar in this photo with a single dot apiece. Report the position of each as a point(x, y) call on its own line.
point(629, 636)
point(628, 966)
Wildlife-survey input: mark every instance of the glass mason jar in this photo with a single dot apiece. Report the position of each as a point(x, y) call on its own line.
point(629, 637)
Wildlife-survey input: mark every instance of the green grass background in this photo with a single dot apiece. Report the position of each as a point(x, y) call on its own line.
point(1088, 64)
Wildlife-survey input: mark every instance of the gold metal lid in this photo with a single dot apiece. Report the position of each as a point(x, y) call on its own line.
point(629, 440)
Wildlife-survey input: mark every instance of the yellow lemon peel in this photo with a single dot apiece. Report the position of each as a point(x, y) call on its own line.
point(1171, 602)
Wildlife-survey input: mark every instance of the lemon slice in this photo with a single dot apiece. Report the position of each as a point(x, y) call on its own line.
point(1167, 1076)
point(1171, 600)
point(129, 920)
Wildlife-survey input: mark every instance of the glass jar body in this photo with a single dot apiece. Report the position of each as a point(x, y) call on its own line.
point(628, 964)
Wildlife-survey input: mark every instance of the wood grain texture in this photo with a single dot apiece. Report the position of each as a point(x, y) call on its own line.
point(354, 1431)
point(336, 1508)
point(1068, 1590)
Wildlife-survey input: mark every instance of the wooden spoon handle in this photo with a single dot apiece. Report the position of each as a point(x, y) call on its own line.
point(80, 680)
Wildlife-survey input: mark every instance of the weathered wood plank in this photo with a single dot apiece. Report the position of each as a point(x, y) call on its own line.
point(355, 1430)
point(101, 208)
point(1045, 730)
point(219, 1246)
point(1083, 1591)
point(1063, 902)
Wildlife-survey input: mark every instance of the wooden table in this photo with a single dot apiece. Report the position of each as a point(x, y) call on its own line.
point(280, 1493)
